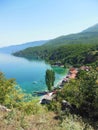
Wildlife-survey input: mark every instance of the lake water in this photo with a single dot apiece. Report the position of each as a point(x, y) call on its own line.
point(30, 75)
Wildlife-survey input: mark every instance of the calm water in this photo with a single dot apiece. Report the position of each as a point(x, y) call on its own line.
point(30, 75)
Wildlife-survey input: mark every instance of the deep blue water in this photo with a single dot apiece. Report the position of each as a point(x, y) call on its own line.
point(30, 75)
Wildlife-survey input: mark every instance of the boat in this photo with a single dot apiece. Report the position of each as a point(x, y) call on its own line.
point(35, 82)
point(38, 93)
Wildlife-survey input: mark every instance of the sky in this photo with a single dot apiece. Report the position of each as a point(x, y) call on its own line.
point(23, 21)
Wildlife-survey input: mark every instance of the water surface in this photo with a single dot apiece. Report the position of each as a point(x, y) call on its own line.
point(30, 75)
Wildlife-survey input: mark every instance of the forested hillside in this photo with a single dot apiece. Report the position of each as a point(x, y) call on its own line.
point(73, 49)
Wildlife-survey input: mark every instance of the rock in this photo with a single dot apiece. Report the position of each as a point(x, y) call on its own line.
point(65, 105)
point(5, 109)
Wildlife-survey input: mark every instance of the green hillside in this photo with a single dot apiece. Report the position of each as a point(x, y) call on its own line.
point(73, 38)
point(80, 48)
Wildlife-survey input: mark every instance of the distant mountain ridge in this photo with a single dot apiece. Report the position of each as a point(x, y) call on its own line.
point(15, 48)
point(92, 29)
point(87, 34)
point(90, 32)
point(49, 49)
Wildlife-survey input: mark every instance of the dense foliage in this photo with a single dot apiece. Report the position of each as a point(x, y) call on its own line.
point(8, 94)
point(50, 78)
point(30, 114)
point(82, 94)
point(76, 49)
point(12, 96)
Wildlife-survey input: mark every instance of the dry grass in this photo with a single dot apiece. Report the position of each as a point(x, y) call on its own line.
point(44, 120)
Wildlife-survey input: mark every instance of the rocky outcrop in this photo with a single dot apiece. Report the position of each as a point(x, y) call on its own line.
point(3, 108)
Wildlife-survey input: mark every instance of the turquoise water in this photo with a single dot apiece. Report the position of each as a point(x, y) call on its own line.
point(30, 75)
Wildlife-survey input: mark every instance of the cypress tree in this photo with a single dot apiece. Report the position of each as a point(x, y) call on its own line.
point(50, 78)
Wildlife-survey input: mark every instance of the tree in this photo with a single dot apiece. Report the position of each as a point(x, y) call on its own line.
point(88, 92)
point(82, 93)
point(9, 94)
point(50, 78)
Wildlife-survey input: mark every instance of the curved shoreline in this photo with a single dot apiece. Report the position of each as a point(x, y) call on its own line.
point(60, 81)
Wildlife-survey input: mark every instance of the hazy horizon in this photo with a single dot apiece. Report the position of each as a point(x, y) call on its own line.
point(23, 21)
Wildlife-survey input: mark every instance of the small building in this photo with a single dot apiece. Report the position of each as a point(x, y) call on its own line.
point(72, 76)
point(73, 73)
point(46, 99)
point(58, 63)
point(86, 68)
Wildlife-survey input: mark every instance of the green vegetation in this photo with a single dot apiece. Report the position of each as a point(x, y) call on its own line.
point(77, 49)
point(27, 114)
point(16, 120)
point(82, 94)
point(8, 94)
point(12, 96)
point(50, 78)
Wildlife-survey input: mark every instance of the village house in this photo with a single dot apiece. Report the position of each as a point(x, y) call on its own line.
point(86, 68)
point(73, 73)
point(58, 63)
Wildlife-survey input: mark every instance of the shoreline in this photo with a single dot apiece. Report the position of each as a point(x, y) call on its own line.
point(60, 81)
point(48, 95)
point(57, 84)
point(71, 74)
